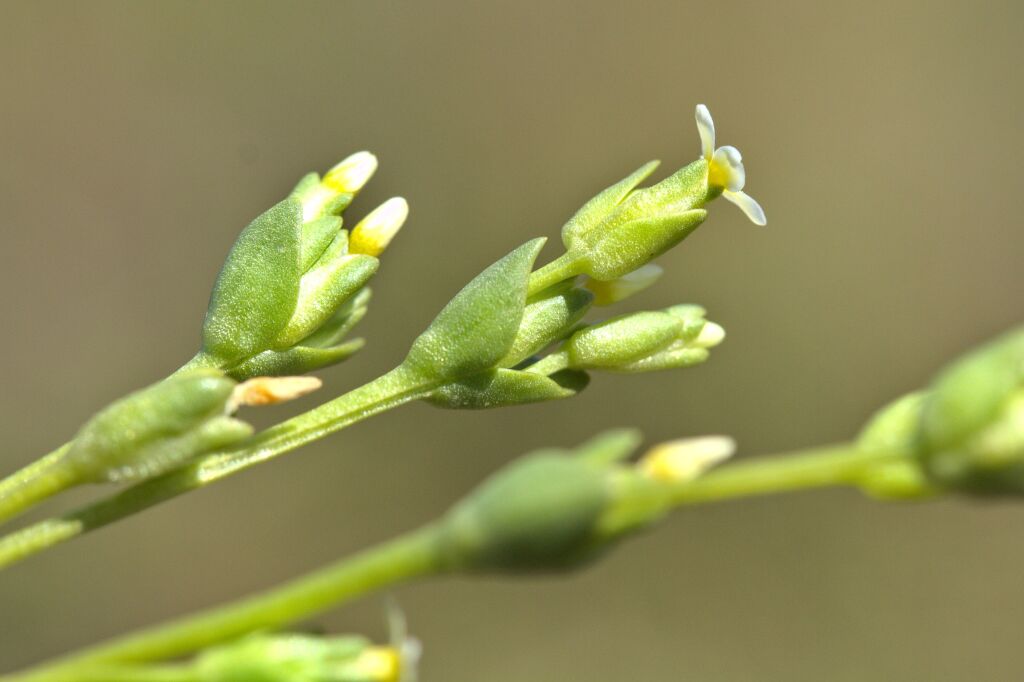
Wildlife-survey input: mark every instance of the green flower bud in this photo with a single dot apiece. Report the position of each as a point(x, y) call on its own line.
point(157, 429)
point(645, 341)
point(301, 658)
point(289, 275)
point(539, 513)
point(554, 509)
point(972, 424)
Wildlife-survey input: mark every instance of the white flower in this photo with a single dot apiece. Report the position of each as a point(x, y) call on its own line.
point(725, 168)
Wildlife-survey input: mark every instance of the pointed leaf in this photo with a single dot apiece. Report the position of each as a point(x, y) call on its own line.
point(477, 327)
point(257, 288)
point(601, 206)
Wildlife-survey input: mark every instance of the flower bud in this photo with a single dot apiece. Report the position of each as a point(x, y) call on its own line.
point(157, 429)
point(332, 194)
point(553, 510)
point(972, 421)
point(290, 274)
point(539, 513)
point(374, 232)
point(684, 460)
point(646, 341)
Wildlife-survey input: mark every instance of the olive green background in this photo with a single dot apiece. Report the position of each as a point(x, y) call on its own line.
point(883, 139)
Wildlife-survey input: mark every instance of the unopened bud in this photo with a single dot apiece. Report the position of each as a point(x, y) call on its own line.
point(710, 335)
point(374, 232)
point(333, 193)
point(683, 460)
point(352, 173)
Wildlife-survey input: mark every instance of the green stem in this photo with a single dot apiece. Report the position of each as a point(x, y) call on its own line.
point(395, 388)
point(833, 465)
point(124, 673)
point(409, 556)
point(42, 479)
point(558, 270)
point(34, 483)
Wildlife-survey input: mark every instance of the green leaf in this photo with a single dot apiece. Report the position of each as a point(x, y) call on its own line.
point(616, 250)
point(546, 320)
point(477, 327)
point(894, 428)
point(294, 361)
point(257, 288)
point(332, 331)
point(969, 394)
point(601, 206)
point(316, 236)
point(499, 388)
point(670, 358)
point(322, 291)
point(609, 447)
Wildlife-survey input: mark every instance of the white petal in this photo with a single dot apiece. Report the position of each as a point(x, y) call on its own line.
point(747, 204)
point(706, 128)
point(728, 164)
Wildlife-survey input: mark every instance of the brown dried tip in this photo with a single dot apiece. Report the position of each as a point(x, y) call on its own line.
point(272, 390)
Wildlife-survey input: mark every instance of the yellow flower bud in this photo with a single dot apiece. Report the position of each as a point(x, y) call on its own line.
point(680, 461)
point(374, 232)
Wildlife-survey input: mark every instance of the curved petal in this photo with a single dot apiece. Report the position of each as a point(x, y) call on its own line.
point(748, 205)
point(706, 128)
point(727, 168)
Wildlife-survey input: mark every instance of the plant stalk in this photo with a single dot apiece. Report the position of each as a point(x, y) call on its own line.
point(409, 556)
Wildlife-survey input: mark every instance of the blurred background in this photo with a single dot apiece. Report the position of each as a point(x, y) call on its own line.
point(137, 139)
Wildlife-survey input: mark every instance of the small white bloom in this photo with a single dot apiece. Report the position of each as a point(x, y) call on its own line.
point(374, 232)
point(680, 461)
point(725, 168)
